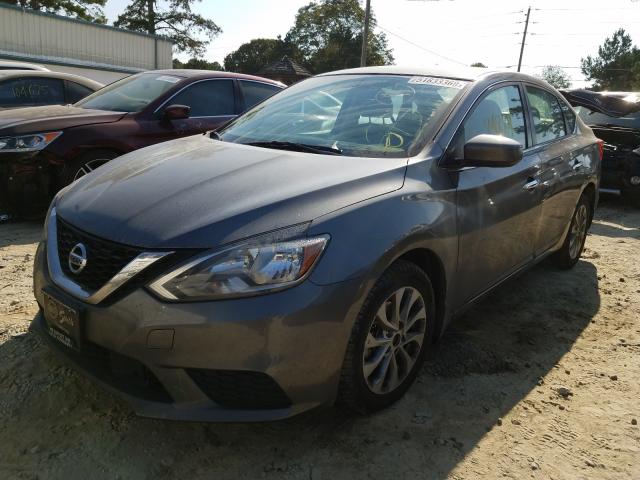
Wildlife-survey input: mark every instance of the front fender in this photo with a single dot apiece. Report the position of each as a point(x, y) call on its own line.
point(369, 236)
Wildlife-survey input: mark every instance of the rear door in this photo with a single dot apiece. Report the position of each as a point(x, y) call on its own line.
point(498, 208)
point(562, 169)
point(253, 92)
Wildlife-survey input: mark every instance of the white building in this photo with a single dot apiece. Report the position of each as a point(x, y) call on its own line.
point(63, 44)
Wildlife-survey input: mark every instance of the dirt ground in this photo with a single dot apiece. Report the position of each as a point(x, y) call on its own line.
point(540, 380)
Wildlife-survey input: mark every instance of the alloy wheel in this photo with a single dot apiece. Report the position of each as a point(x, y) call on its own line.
point(578, 231)
point(89, 167)
point(394, 340)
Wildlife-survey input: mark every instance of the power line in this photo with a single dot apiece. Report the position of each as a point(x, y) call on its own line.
point(420, 46)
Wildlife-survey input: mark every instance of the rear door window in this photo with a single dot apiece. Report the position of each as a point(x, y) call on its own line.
point(547, 117)
point(210, 98)
point(256, 92)
point(569, 117)
point(22, 92)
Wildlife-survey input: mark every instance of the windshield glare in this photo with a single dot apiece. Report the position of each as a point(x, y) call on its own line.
point(360, 115)
point(130, 94)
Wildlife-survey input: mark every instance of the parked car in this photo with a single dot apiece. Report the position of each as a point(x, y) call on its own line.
point(11, 65)
point(42, 149)
point(25, 88)
point(273, 267)
point(621, 135)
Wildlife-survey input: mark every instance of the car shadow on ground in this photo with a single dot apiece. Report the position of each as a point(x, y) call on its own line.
point(61, 425)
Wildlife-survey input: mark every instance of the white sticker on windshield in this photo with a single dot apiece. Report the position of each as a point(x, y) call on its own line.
point(167, 78)
point(442, 82)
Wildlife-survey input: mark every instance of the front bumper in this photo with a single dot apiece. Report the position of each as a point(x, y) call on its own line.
point(252, 359)
point(26, 182)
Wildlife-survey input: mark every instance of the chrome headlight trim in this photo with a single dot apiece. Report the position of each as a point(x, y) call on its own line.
point(158, 285)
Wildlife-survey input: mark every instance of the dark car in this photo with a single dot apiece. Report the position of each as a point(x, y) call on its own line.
point(42, 149)
point(295, 259)
point(20, 88)
point(621, 135)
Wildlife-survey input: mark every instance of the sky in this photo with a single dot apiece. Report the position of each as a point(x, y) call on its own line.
point(446, 33)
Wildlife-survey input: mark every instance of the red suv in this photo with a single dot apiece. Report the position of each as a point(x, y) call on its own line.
point(42, 149)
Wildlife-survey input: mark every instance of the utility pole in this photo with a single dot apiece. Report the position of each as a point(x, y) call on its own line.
point(365, 35)
point(524, 37)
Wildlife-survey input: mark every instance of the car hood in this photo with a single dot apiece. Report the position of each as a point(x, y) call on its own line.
point(51, 117)
point(201, 193)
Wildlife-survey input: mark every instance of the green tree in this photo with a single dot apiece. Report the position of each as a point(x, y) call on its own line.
point(189, 31)
point(252, 56)
point(90, 10)
point(478, 64)
point(617, 65)
point(328, 36)
point(197, 64)
point(556, 76)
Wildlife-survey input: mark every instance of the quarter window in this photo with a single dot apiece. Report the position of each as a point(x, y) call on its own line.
point(569, 117)
point(498, 113)
point(76, 92)
point(207, 99)
point(547, 117)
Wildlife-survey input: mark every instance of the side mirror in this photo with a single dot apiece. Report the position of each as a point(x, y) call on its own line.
point(176, 112)
point(491, 151)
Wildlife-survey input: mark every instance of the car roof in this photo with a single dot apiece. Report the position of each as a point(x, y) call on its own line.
point(460, 73)
point(470, 74)
point(192, 73)
point(7, 74)
point(22, 66)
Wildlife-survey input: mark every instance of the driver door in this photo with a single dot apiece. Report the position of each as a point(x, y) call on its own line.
point(212, 103)
point(498, 208)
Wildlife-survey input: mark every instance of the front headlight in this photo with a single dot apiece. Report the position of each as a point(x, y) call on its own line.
point(246, 269)
point(27, 143)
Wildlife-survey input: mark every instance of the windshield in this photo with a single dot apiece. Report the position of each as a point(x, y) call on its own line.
point(130, 94)
point(356, 115)
point(596, 118)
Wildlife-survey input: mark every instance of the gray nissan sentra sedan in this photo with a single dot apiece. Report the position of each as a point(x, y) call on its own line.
point(313, 250)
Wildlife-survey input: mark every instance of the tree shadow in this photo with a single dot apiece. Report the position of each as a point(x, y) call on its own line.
point(57, 423)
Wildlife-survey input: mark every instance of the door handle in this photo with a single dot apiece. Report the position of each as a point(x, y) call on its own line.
point(577, 165)
point(531, 184)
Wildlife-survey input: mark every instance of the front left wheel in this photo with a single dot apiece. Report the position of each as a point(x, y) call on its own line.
point(85, 164)
point(389, 340)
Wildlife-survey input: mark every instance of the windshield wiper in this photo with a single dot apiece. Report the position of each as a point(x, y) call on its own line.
point(300, 147)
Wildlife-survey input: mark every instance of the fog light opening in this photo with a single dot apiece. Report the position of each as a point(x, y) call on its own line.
point(635, 180)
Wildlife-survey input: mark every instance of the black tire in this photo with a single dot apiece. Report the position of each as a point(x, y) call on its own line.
point(354, 391)
point(73, 170)
point(569, 254)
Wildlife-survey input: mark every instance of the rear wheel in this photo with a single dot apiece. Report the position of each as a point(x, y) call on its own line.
point(573, 245)
point(389, 339)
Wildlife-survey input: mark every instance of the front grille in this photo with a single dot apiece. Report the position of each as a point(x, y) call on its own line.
point(240, 389)
point(104, 258)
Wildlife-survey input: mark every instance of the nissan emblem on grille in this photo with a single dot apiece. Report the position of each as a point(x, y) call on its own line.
point(77, 258)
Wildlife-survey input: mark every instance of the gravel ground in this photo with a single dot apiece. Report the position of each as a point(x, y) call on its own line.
point(540, 380)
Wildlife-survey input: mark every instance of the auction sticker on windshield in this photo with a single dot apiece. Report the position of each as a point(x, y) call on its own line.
point(442, 82)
